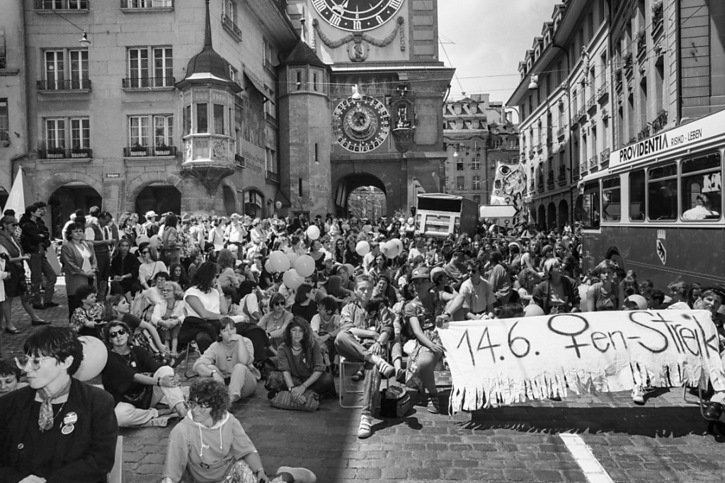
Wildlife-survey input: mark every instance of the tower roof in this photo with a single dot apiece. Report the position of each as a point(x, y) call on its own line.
point(208, 64)
point(303, 54)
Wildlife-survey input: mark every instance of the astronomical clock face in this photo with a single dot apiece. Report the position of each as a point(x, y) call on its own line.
point(361, 125)
point(357, 15)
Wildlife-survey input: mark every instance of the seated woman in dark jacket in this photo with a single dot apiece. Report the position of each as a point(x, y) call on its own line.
point(137, 382)
point(300, 364)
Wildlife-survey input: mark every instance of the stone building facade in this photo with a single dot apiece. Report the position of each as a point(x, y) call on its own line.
point(477, 137)
point(606, 75)
point(106, 121)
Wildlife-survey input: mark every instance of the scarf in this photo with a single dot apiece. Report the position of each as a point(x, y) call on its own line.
point(46, 417)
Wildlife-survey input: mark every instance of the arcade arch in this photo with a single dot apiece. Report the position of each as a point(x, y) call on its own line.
point(366, 187)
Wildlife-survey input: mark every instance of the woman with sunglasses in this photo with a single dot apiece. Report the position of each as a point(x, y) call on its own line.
point(275, 321)
point(14, 284)
point(138, 382)
point(57, 428)
point(79, 263)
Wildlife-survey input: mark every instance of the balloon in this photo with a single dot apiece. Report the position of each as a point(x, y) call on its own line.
point(305, 266)
point(362, 248)
point(268, 266)
point(389, 249)
point(278, 204)
point(292, 257)
point(279, 261)
point(313, 233)
point(398, 244)
point(292, 279)
point(345, 227)
point(94, 360)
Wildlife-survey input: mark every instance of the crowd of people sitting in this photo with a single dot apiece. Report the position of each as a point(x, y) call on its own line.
point(371, 293)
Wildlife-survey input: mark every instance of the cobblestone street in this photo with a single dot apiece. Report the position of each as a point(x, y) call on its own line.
point(666, 440)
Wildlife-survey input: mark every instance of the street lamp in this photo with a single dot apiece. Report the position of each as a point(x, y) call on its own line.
point(84, 41)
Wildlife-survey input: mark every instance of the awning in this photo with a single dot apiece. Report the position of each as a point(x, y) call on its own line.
point(259, 86)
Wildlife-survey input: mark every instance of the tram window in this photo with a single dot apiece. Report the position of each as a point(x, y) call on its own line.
point(611, 200)
point(636, 195)
point(662, 193)
point(701, 188)
point(590, 206)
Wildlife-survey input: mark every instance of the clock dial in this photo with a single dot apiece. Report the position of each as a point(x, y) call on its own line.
point(361, 125)
point(357, 15)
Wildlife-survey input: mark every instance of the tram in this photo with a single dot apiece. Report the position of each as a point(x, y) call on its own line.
point(657, 208)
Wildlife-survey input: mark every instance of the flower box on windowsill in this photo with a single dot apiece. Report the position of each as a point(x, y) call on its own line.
point(137, 152)
point(80, 153)
point(55, 154)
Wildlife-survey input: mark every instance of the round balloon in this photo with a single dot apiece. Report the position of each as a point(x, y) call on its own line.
point(362, 248)
point(305, 266)
point(292, 257)
point(292, 279)
point(313, 233)
point(278, 204)
point(268, 266)
point(279, 261)
point(398, 244)
point(94, 360)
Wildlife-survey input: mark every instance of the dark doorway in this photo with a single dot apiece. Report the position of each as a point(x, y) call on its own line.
point(160, 198)
point(67, 199)
point(253, 204)
point(230, 203)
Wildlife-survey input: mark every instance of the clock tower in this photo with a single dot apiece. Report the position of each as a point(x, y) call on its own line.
point(386, 94)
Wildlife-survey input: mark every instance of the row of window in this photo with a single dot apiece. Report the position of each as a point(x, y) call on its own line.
point(688, 190)
point(74, 133)
point(475, 182)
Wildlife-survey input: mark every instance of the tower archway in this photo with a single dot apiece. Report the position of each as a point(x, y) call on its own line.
point(361, 194)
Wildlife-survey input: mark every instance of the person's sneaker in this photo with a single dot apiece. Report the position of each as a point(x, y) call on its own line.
point(385, 369)
point(49, 305)
point(434, 405)
point(638, 395)
point(365, 430)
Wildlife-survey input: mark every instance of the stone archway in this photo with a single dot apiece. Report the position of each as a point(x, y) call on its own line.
point(68, 198)
point(541, 218)
point(158, 197)
point(551, 216)
point(563, 215)
point(348, 184)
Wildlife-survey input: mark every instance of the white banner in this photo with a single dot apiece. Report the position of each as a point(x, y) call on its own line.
point(505, 361)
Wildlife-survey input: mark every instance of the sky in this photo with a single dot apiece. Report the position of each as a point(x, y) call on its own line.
point(486, 39)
